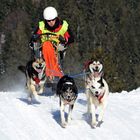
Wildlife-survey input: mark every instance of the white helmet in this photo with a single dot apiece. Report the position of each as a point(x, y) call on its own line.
point(50, 13)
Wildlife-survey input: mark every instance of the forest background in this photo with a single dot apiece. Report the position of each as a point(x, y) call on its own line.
point(104, 29)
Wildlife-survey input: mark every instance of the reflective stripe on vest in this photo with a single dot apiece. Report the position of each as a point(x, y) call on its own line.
point(62, 31)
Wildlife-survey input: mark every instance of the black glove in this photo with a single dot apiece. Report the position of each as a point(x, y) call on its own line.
point(62, 39)
point(35, 37)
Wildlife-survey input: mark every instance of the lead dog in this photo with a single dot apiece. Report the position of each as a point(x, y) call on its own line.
point(94, 67)
point(67, 92)
point(35, 76)
point(97, 92)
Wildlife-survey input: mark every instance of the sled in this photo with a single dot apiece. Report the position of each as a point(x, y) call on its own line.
point(37, 46)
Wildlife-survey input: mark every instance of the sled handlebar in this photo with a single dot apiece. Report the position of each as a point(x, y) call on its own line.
point(37, 36)
point(52, 36)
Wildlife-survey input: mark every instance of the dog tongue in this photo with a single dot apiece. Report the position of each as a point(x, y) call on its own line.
point(96, 74)
point(38, 70)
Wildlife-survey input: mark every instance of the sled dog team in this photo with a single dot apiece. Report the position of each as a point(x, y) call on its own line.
point(96, 89)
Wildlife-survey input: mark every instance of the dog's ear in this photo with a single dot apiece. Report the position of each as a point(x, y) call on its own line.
point(64, 78)
point(91, 67)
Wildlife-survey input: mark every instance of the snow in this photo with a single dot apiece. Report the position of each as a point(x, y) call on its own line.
point(22, 121)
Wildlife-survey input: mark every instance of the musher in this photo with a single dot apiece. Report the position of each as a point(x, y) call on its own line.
point(52, 45)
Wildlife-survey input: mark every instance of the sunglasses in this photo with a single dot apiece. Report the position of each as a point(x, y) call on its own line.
point(51, 20)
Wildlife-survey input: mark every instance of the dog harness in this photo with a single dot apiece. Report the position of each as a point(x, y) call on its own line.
point(37, 80)
point(99, 97)
point(39, 74)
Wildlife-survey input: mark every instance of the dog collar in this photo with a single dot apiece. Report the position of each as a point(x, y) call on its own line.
point(36, 79)
point(99, 97)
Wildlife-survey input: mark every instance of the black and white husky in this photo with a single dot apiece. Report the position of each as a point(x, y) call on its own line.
point(97, 92)
point(67, 92)
point(94, 67)
point(35, 76)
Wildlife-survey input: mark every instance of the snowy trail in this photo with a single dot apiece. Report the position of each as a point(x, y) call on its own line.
point(20, 121)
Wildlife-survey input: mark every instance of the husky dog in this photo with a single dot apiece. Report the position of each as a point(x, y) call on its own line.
point(97, 92)
point(35, 76)
point(95, 68)
point(67, 92)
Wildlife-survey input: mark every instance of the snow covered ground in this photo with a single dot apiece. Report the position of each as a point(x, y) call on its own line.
point(21, 121)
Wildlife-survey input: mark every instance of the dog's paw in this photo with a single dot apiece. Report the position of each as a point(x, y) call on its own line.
point(99, 123)
point(94, 125)
point(64, 124)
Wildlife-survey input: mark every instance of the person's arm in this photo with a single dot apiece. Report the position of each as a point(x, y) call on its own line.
point(34, 37)
point(65, 41)
point(35, 34)
point(69, 37)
